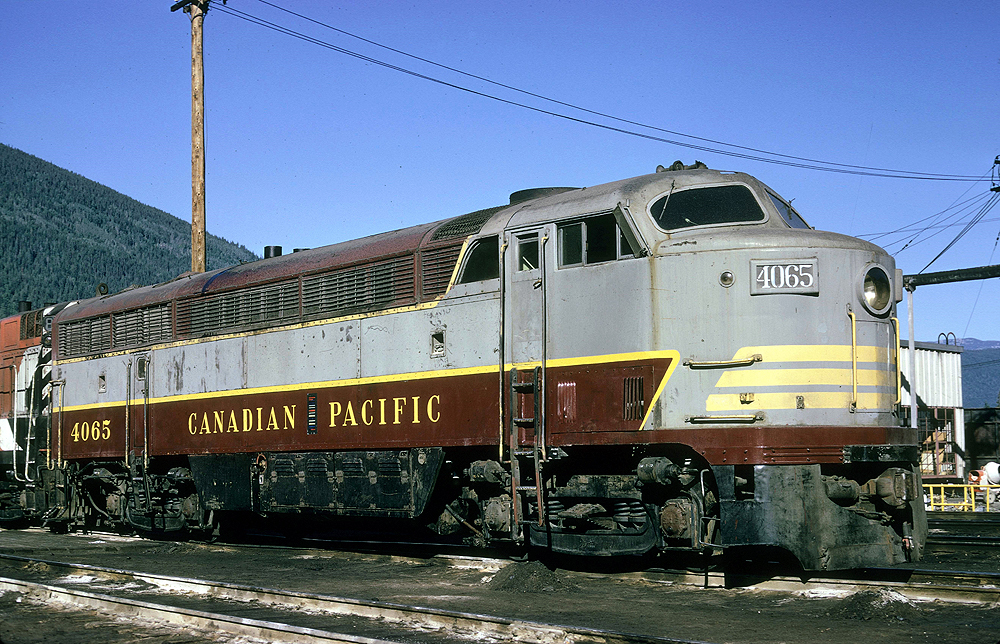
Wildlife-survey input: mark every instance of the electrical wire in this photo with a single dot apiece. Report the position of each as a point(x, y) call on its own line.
point(908, 228)
point(984, 363)
point(789, 162)
point(920, 237)
point(981, 284)
point(975, 220)
point(587, 110)
point(912, 242)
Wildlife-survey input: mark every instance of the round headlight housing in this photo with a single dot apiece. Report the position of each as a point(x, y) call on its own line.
point(875, 289)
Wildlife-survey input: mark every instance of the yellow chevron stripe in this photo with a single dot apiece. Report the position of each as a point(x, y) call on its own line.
point(753, 377)
point(813, 400)
point(404, 377)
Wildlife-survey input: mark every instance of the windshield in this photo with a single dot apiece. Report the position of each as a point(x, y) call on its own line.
point(732, 204)
point(788, 213)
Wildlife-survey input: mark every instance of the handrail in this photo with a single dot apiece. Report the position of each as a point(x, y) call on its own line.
point(545, 358)
point(128, 410)
point(28, 434)
point(502, 347)
point(854, 358)
point(13, 409)
point(735, 418)
point(145, 420)
point(52, 426)
point(541, 439)
point(62, 403)
point(899, 379)
point(968, 502)
point(722, 364)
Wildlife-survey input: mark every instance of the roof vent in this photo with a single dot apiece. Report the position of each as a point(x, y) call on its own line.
point(535, 193)
point(677, 166)
point(272, 251)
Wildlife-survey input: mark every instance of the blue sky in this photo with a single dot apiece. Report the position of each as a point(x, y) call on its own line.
point(307, 146)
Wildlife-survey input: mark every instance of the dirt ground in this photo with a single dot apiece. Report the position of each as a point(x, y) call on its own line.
point(23, 621)
point(615, 600)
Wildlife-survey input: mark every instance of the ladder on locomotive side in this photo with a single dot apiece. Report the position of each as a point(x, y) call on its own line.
point(531, 480)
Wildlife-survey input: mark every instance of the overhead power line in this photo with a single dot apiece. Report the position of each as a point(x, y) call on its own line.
point(587, 110)
point(782, 159)
point(923, 234)
point(975, 220)
point(909, 229)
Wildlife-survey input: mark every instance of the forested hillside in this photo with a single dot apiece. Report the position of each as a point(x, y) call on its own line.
point(61, 234)
point(980, 377)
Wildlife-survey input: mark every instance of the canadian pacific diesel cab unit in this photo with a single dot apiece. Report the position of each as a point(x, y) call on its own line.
point(672, 361)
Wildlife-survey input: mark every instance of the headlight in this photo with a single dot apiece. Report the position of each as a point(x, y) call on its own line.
point(876, 290)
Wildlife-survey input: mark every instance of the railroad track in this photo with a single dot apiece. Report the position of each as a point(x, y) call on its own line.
point(917, 585)
point(280, 616)
point(113, 591)
point(963, 530)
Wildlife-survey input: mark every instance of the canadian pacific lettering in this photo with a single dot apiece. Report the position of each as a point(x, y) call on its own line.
point(402, 408)
point(226, 422)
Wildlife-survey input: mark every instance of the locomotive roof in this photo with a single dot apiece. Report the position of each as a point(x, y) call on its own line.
point(346, 253)
point(527, 207)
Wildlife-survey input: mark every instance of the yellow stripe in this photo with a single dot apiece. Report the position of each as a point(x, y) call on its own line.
point(672, 354)
point(402, 377)
point(812, 400)
point(242, 334)
point(675, 360)
point(347, 382)
point(458, 263)
point(813, 353)
point(634, 356)
point(751, 377)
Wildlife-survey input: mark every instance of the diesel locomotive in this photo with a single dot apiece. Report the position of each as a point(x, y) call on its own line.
point(671, 362)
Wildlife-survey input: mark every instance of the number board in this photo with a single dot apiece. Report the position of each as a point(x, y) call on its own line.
point(784, 276)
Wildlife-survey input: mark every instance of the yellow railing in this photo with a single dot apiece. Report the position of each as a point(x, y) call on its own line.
point(963, 498)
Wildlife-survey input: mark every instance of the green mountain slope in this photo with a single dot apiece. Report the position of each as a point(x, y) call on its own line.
point(62, 234)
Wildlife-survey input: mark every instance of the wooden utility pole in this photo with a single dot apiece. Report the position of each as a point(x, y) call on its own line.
point(197, 9)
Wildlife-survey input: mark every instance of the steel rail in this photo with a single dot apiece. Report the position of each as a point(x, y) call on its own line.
point(966, 587)
point(183, 617)
point(481, 626)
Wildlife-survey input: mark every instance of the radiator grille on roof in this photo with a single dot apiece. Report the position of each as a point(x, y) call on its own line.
point(367, 287)
point(31, 325)
point(266, 305)
point(437, 265)
point(142, 326)
point(465, 225)
point(374, 286)
point(80, 337)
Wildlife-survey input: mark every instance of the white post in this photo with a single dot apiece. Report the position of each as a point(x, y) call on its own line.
point(913, 362)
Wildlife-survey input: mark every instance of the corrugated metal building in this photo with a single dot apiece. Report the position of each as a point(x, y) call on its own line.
point(940, 415)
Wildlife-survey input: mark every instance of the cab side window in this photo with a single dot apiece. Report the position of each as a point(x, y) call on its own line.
point(527, 253)
point(591, 241)
point(483, 262)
